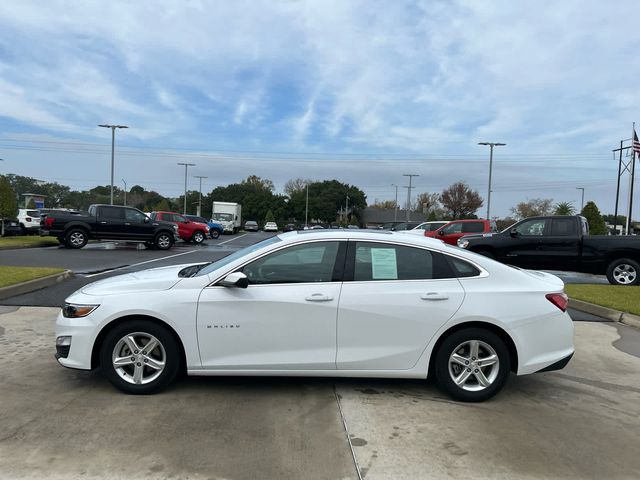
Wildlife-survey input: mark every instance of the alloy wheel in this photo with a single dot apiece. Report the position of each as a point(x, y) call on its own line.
point(76, 239)
point(474, 365)
point(624, 274)
point(139, 358)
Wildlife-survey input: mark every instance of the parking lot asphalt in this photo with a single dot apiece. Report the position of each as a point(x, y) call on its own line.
point(581, 422)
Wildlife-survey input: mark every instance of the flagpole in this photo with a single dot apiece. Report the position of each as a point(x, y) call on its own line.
point(631, 178)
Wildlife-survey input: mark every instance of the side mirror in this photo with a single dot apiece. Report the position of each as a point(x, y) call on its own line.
point(146, 219)
point(513, 232)
point(235, 279)
point(440, 232)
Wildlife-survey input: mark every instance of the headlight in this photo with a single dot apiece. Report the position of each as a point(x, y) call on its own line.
point(206, 229)
point(175, 227)
point(74, 310)
point(463, 243)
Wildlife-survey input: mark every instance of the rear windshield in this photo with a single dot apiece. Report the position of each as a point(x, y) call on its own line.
point(33, 213)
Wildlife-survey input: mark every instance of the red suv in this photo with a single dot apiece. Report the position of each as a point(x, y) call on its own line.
point(452, 231)
point(188, 230)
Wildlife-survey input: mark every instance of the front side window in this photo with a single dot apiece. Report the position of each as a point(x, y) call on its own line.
point(308, 263)
point(531, 227)
point(452, 228)
point(178, 218)
point(134, 216)
point(380, 261)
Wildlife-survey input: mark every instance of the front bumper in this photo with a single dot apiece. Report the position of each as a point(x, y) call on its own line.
point(78, 352)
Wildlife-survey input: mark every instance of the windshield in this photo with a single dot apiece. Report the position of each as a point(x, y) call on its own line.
point(236, 255)
point(225, 217)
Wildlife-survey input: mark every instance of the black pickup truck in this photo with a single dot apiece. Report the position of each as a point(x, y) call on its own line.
point(108, 222)
point(561, 243)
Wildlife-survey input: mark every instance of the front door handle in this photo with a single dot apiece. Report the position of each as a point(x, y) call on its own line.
point(434, 296)
point(318, 297)
point(103, 223)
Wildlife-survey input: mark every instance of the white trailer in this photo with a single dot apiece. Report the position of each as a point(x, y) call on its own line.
point(228, 214)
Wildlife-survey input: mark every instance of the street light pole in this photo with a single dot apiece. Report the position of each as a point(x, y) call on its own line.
point(582, 202)
point(491, 145)
point(125, 192)
point(410, 175)
point(186, 166)
point(200, 195)
point(113, 142)
point(395, 205)
point(306, 209)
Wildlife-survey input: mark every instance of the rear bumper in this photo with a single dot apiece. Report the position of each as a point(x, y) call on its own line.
point(559, 365)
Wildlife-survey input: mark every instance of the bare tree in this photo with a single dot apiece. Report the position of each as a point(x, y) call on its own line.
point(388, 204)
point(533, 208)
point(295, 185)
point(428, 203)
point(459, 201)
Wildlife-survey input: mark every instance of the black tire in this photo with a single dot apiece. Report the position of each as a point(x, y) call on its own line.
point(213, 233)
point(123, 378)
point(486, 253)
point(623, 271)
point(163, 241)
point(198, 237)
point(472, 390)
point(76, 238)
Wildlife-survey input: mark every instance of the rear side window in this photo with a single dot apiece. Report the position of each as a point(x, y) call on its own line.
point(112, 213)
point(462, 269)
point(473, 227)
point(564, 227)
point(381, 261)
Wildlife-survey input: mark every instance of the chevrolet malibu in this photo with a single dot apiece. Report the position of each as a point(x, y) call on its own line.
point(334, 303)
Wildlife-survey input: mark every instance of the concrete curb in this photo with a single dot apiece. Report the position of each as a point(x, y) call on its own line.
point(32, 285)
point(609, 313)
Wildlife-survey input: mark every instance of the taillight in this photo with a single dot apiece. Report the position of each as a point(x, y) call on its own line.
point(48, 222)
point(560, 300)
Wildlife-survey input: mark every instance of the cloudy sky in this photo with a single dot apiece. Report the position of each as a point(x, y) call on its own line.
point(358, 90)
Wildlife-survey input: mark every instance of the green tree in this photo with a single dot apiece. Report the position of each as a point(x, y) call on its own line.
point(564, 208)
point(460, 202)
point(8, 203)
point(326, 199)
point(596, 222)
point(269, 217)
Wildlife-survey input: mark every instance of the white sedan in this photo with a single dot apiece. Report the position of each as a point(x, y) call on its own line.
point(330, 303)
point(271, 227)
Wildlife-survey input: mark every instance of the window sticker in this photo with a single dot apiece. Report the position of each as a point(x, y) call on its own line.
point(383, 264)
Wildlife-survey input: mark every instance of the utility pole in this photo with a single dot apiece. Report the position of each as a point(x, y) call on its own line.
point(186, 166)
point(410, 175)
point(582, 201)
point(200, 195)
point(623, 167)
point(347, 209)
point(634, 146)
point(395, 205)
point(491, 145)
point(113, 142)
point(125, 192)
point(306, 209)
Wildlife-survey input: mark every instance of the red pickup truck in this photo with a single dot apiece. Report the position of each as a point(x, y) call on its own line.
point(188, 230)
point(452, 231)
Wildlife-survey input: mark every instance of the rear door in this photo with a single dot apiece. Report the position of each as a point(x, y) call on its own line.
point(110, 222)
point(393, 301)
point(560, 245)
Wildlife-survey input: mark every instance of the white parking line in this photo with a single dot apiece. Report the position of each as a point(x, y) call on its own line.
point(158, 259)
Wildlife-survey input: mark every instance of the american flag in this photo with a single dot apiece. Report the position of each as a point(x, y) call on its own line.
point(636, 142)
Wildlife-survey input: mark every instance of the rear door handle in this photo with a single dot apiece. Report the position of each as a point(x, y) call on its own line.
point(434, 296)
point(318, 297)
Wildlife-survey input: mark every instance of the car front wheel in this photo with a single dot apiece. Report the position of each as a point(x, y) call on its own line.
point(140, 357)
point(76, 238)
point(163, 241)
point(472, 365)
point(214, 233)
point(624, 271)
point(197, 237)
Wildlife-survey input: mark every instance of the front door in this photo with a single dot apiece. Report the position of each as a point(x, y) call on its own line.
point(524, 249)
point(285, 319)
point(397, 299)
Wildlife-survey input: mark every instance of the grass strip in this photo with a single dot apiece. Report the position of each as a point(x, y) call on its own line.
point(14, 275)
point(625, 299)
point(22, 241)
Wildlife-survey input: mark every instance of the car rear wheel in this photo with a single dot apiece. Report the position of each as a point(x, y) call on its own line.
point(472, 365)
point(214, 233)
point(163, 241)
point(623, 271)
point(140, 357)
point(76, 238)
point(198, 237)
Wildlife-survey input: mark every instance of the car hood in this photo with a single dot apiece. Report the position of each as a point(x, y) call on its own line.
point(475, 236)
point(143, 281)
